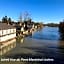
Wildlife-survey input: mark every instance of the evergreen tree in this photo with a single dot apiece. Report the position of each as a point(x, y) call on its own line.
point(4, 19)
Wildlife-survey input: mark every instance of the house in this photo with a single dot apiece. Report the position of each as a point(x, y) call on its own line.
point(7, 37)
point(7, 32)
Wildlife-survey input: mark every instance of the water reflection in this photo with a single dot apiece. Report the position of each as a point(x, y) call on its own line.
point(19, 39)
point(7, 46)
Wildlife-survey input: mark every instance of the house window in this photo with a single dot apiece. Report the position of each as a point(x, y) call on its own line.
point(2, 32)
point(7, 31)
point(10, 31)
point(13, 30)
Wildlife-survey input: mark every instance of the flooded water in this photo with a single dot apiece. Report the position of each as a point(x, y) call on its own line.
point(44, 43)
point(47, 33)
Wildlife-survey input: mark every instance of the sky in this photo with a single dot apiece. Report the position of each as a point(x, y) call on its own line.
point(46, 11)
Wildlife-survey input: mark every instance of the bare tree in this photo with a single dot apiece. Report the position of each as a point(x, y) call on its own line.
point(20, 18)
point(26, 16)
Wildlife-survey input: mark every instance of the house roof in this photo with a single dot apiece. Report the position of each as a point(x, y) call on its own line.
point(4, 26)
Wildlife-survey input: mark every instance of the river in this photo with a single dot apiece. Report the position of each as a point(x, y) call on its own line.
point(47, 33)
point(44, 43)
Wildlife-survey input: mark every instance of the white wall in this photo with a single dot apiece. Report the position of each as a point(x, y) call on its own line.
point(0, 32)
point(11, 30)
point(14, 30)
point(4, 32)
point(33, 26)
point(22, 29)
point(8, 31)
point(7, 37)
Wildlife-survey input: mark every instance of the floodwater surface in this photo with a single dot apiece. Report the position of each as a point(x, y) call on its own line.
point(44, 43)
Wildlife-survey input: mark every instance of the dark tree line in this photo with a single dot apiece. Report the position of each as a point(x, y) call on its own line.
point(51, 25)
point(61, 29)
point(7, 20)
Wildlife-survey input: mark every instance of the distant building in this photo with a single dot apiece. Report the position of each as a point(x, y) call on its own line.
point(7, 32)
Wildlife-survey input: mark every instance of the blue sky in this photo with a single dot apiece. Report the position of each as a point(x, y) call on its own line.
point(45, 11)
